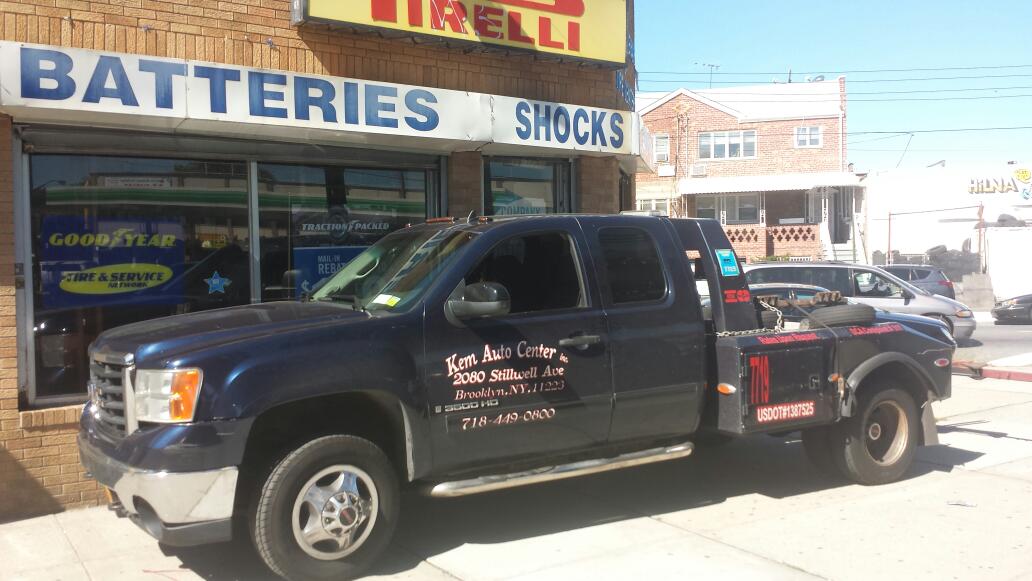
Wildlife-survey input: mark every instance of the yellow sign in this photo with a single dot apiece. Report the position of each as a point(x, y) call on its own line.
point(113, 279)
point(583, 29)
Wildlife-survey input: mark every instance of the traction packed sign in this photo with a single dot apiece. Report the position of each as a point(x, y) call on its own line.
point(584, 29)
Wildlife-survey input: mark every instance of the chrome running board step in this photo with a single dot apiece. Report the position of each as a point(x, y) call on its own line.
point(585, 467)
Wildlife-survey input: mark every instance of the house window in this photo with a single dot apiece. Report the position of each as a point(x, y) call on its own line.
point(706, 207)
point(727, 145)
point(661, 206)
point(808, 137)
point(662, 148)
point(743, 208)
point(740, 208)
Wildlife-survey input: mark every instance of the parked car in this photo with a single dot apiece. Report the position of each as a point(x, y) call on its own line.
point(929, 278)
point(869, 285)
point(1016, 309)
point(932, 327)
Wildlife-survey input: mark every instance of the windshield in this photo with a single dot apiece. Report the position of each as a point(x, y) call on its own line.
point(395, 272)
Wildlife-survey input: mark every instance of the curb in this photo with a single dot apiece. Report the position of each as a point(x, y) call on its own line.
point(1005, 373)
point(984, 371)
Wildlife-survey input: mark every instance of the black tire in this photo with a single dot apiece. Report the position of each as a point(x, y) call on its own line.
point(271, 522)
point(817, 445)
point(871, 458)
point(842, 316)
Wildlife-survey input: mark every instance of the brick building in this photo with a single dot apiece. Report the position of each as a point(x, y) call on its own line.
point(768, 161)
point(166, 157)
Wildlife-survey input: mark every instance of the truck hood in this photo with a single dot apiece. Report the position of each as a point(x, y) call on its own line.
point(166, 337)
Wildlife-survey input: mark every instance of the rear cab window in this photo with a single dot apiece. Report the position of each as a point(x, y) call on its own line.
point(634, 270)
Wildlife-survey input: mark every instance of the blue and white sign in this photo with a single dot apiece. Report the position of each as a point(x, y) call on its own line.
point(315, 265)
point(56, 84)
point(728, 262)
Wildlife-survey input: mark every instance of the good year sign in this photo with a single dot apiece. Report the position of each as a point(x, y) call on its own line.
point(71, 85)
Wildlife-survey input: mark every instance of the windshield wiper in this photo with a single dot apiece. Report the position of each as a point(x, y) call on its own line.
point(344, 298)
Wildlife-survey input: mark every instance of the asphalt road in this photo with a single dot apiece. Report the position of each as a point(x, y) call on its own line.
point(991, 342)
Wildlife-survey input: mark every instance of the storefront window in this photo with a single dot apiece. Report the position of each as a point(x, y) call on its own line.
point(118, 240)
point(519, 186)
point(314, 219)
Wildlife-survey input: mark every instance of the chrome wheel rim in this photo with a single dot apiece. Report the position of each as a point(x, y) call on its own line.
point(887, 433)
point(334, 512)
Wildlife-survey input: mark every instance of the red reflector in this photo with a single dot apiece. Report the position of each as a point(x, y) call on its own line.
point(942, 362)
point(946, 283)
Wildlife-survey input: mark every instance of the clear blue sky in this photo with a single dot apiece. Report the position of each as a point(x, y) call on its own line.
point(822, 37)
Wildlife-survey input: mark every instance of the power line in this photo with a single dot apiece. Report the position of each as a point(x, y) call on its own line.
point(890, 100)
point(856, 71)
point(888, 134)
point(837, 92)
point(901, 80)
point(901, 134)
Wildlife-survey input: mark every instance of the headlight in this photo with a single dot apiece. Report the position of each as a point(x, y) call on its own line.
point(965, 313)
point(166, 396)
point(1009, 302)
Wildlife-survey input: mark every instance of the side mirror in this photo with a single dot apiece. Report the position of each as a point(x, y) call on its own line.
point(482, 299)
point(908, 295)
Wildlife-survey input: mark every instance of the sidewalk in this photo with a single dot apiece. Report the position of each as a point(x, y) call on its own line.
point(753, 509)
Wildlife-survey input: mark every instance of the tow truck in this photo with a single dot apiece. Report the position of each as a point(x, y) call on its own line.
point(458, 357)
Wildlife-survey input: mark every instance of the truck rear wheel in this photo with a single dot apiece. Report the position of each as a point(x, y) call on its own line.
point(877, 445)
point(327, 510)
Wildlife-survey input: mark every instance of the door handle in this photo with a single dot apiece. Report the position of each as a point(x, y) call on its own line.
point(580, 341)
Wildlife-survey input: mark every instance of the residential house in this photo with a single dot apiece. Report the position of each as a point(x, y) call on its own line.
point(768, 161)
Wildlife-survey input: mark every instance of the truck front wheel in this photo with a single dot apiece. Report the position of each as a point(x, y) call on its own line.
point(327, 510)
point(877, 444)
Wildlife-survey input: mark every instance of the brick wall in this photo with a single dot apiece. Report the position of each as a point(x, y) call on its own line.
point(236, 31)
point(598, 182)
point(465, 183)
point(39, 462)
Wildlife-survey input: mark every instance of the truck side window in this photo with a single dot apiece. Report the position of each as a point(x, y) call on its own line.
point(633, 266)
point(539, 271)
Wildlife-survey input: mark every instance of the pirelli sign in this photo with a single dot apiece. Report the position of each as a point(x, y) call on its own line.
point(592, 30)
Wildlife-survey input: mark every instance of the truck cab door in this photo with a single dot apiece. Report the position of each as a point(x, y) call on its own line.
point(534, 382)
point(656, 329)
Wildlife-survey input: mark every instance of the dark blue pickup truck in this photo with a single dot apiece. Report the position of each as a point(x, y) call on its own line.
point(460, 357)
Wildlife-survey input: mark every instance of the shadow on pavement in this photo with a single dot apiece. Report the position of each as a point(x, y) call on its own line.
point(772, 467)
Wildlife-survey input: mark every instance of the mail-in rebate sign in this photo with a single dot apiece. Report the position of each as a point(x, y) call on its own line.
point(584, 29)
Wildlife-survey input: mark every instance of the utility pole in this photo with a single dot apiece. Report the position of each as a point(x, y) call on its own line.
point(711, 69)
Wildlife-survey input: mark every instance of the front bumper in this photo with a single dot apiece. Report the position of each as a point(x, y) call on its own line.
point(963, 328)
point(177, 508)
point(1009, 313)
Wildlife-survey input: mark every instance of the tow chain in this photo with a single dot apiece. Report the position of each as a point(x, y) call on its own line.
point(779, 326)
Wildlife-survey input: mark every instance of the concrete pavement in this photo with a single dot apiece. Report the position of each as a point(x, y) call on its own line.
point(751, 509)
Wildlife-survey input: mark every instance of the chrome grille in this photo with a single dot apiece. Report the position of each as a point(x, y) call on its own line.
point(108, 395)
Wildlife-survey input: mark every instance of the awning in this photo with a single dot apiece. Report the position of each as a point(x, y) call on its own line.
point(767, 183)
